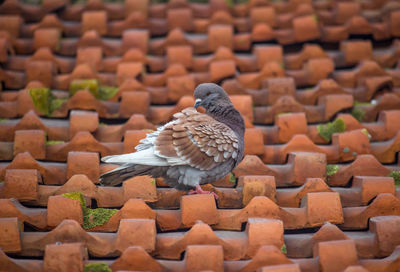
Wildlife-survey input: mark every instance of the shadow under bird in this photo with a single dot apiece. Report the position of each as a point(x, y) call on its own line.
point(193, 149)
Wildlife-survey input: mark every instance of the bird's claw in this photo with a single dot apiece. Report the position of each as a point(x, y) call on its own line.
point(199, 190)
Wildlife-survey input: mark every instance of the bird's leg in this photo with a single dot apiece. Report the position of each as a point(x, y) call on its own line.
point(201, 191)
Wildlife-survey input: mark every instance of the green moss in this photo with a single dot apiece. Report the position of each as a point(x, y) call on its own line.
point(92, 85)
point(365, 131)
point(102, 124)
point(230, 3)
point(346, 150)
point(327, 130)
point(331, 169)
point(358, 103)
point(3, 120)
point(91, 217)
point(153, 181)
point(41, 99)
point(315, 17)
point(54, 142)
point(358, 114)
point(45, 101)
point(97, 267)
point(76, 195)
point(284, 249)
point(97, 217)
point(232, 178)
point(107, 92)
point(396, 176)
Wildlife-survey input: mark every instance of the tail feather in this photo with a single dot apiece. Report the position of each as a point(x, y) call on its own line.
point(124, 172)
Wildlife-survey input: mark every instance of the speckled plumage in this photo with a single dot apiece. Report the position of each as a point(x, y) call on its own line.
point(193, 149)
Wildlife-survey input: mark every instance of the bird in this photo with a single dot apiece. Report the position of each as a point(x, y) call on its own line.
point(194, 148)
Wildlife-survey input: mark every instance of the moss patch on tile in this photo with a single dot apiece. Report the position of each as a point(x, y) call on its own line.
point(284, 249)
point(107, 92)
point(331, 169)
point(97, 267)
point(3, 120)
point(94, 87)
point(54, 142)
point(327, 130)
point(91, 217)
point(232, 178)
point(44, 101)
point(358, 114)
point(396, 176)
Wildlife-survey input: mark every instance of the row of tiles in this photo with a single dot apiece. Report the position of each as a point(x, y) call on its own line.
point(285, 127)
point(208, 257)
point(377, 242)
point(232, 192)
point(345, 146)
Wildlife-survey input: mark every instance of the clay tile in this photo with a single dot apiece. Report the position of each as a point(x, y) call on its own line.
point(90, 38)
point(83, 163)
point(179, 86)
point(32, 141)
point(51, 21)
point(91, 56)
point(351, 143)
point(94, 20)
point(289, 125)
point(79, 183)
point(198, 207)
point(11, 24)
point(136, 232)
point(258, 236)
point(128, 70)
point(141, 6)
point(42, 71)
point(180, 54)
point(137, 208)
point(21, 184)
point(60, 208)
point(135, 39)
point(140, 187)
point(270, 53)
point(136, 258)
point(204, 257)
point(59, 256)
point(305, 28)
point(220, 35)
point(83, 71)
point(132, 138)
point(343, 11)
point(356, 51)
point(267, 255)
point(180, 18)
point(264, 15)
point(321, 207)
point(281, 268)
point(262, 32)
point(134, 103)
point(5, 49)
point(370, 187)
point(221, 17)
point(330, 252)
point(328, 232)
point(10, 238)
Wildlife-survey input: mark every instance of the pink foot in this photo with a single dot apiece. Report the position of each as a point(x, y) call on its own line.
point(201, 191)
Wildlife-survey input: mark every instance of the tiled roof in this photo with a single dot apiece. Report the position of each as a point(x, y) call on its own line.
point(317, 82)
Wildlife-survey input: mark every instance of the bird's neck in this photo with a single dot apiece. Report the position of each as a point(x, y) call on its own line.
point(228, 115)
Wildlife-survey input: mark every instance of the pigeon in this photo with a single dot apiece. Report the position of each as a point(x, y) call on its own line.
point(193, 149)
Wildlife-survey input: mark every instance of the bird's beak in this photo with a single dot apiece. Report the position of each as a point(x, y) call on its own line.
point(197, 103)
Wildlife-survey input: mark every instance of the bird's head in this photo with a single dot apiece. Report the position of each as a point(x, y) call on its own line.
point(209, 95)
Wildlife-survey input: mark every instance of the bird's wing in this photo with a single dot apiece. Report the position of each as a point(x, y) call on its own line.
point(196, 139)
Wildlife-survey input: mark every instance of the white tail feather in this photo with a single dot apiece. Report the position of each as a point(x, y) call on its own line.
point(143, 157)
